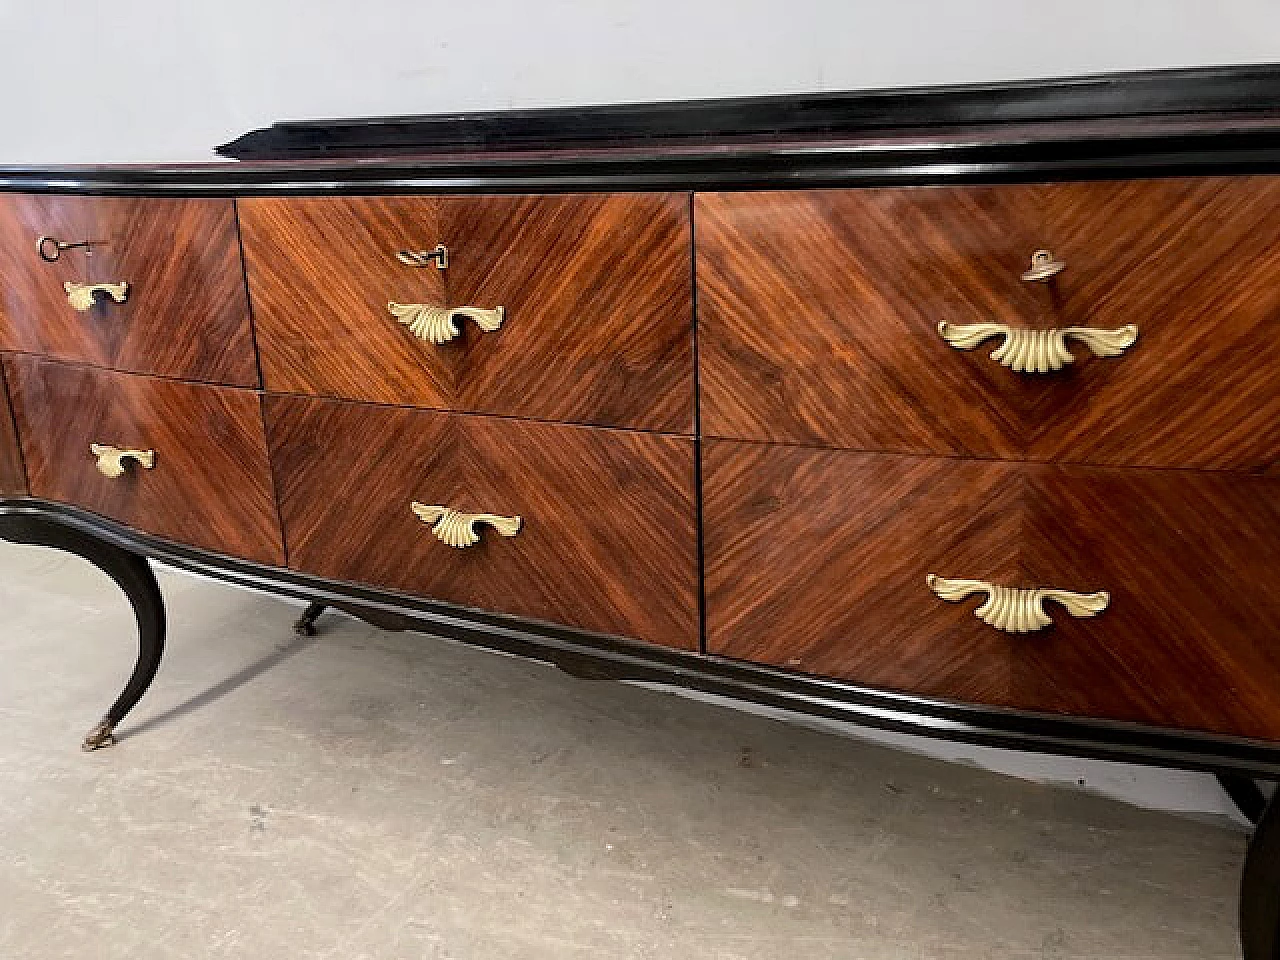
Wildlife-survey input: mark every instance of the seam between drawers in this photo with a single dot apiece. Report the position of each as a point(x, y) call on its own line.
point(248, 294)
point(71, 362)
point(7, 397)
point(262, 403)
point(586, 425)
point(1264, 472)
point(373, 403)
point(697, 430)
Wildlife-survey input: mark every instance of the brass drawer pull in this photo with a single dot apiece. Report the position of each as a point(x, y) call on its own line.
point(1018, 610)
point(1037, 351)
point(81, 294)
point(112, 461)
point(458, 529)
point(440, 324)
point(1044, 266)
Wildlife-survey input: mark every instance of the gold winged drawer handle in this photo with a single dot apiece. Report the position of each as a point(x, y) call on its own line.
point(1018, 610)
point(440, 324)
point(112, 461)
point(458, 529)
point(81, 294)
point(1038, 351)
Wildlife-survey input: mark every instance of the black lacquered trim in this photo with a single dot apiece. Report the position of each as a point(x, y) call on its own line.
point(918, 163)
point(1222, 120)
point(612, 657)
point(1218, 90)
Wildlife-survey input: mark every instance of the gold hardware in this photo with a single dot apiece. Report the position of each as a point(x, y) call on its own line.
point(50, 248)
point(102, 735)
point(422, 258)
point(81, 294)
point(112, 461)
point(1018, 610)
point(1038, 351)
point(440, 324)
point(458, 529)
point(1044, 266)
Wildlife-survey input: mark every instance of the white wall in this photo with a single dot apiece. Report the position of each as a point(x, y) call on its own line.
point(158, 80)
point(162, 80)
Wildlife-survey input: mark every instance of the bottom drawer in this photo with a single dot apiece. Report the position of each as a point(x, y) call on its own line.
point(607, 536)
point(817, 561)
point(209, 484)
point(12, 478)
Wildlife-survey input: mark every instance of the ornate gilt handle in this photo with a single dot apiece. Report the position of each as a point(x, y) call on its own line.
point(458, 529)
point(112, 461)
point(81, 294)
point(1018, 610)
point(1037, 351)
point(440, 324)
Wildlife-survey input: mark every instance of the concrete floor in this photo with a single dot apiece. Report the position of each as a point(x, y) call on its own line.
point(378, 795)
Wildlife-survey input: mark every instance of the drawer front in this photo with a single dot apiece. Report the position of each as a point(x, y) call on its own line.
point(817, 561)
point(607, 540)
point(209, 484)
point(12, 478)
point(819, 314)
point(596, 292)
point(185, 312)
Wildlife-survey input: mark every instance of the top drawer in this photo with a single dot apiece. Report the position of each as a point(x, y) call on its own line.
point(184, 312)
point(819, 317)
point(595, 292)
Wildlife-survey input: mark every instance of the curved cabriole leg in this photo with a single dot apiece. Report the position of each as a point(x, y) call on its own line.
point(1245, 794)
point(1260, 889)
point(133, 575)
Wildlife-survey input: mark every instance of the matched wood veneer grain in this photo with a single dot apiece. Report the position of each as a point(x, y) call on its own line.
point(597, 291)
point(816, 561)
point(211, 486)
point(818, 314)
point(186, 315)
point(608, 540)
point(13, 479)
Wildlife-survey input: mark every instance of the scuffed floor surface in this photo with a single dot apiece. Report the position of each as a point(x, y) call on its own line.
point(367, 794)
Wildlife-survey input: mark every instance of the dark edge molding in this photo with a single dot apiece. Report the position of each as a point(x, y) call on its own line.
point(918, 164)
point(1211, 121)
point(611, 657)
point(1226, 89)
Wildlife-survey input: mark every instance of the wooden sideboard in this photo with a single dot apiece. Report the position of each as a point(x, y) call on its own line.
point(860, 405)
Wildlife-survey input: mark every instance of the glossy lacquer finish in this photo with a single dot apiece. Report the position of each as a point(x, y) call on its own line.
point(186, 314)
point(597, 291)
point(816, 561)
point(608, 540)
point(818, 314)
point(210, 487)
point(12, 478)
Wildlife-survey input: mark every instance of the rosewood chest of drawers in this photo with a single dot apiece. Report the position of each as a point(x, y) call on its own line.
point(861, 405)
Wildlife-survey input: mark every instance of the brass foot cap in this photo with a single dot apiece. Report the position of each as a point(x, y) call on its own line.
point(102, 735)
